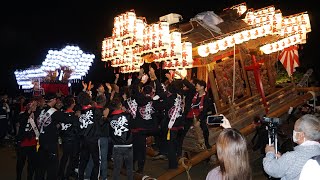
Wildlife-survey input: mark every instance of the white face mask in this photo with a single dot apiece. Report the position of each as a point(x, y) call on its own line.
point(295, 140)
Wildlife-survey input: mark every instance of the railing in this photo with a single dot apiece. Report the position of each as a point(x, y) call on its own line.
point(304, 81)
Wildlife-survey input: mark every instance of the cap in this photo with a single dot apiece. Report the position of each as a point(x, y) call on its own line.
point(147, 89)
point(50, 96)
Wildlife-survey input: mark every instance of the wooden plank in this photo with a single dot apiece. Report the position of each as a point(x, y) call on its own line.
point(214, 89)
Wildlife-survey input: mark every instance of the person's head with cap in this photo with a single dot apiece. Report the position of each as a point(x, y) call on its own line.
point(50, 99)
point(175, 87)
point(84, 99)
point(147, 90)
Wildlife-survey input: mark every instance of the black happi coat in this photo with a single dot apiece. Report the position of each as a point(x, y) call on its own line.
point(49, 130)
point(120, 128)
point(189, 93)
point(172, 105)
point(145, 115)
point(89, 123)
point(25, 128)
point(70, 127)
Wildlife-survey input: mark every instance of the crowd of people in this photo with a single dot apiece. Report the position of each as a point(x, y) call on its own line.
point(112, 123)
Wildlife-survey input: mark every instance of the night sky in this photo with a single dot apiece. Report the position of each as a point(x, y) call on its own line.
point(29, 29)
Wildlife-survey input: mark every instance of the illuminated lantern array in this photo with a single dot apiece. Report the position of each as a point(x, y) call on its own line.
point(180, 57)
point(294, 31)
point(265, 21)
point(283, 43)
point(236, 38)
point(68, 64)
point(132, 38)
point(262, 16)
point(70, 58)
point(123, 48)
point(25, 77)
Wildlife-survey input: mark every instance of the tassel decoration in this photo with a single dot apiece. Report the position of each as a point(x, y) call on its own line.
point(37, 147)
point(168, 135)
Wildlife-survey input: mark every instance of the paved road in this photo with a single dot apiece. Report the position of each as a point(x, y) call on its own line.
point(152, 168)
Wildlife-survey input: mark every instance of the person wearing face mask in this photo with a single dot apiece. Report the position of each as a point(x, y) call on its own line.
point(288, 166)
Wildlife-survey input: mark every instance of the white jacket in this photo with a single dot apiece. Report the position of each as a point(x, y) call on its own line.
point(310, 171)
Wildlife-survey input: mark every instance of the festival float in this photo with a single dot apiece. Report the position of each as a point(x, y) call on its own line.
point(57, 72)
point(236, 52)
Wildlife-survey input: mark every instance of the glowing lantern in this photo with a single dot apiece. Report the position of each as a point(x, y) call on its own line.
point(138, 32)
point(164, 35)
point(249, 19)
point(239, 38)
point(129, 24)
point(213, 47)
point(203, 50)
point(277, 20)
point(186, 55)
point(306, 20)
point(155, 37)
point(176, 46)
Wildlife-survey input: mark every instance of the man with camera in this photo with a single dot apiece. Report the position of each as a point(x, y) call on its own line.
point(306, 134)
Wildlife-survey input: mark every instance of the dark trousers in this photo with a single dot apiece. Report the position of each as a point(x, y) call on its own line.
point(172, 145)
point(160, 140)
point(139, 149)
point(47, 163)
point(3, 128)
point(188, 123)
point(26, 153)
point(69, 149)
point(103, 146)
point(89, 146)
point(121, 154)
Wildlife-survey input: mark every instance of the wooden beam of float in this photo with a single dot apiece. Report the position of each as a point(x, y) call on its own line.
point(199, 62)
point(245, 131)
point(305, 89)
point(297, 102)
point(211, 58)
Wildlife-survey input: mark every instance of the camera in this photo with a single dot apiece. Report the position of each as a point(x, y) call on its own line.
point(214, 120)
point(272, 120)
point(272, 127)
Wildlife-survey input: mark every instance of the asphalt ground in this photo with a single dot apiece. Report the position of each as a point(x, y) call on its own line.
point(153, 168)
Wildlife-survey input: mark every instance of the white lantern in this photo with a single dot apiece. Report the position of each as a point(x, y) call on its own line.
point(203, 50)
point(222, 44)
point(138, 32)
point(164, 35)
point(213, 47)
point(176, 46)
point(155, 39)
point(130, 23)
point(306, 20)
point(187, 59)
point(230, 41)
point(239, 38)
